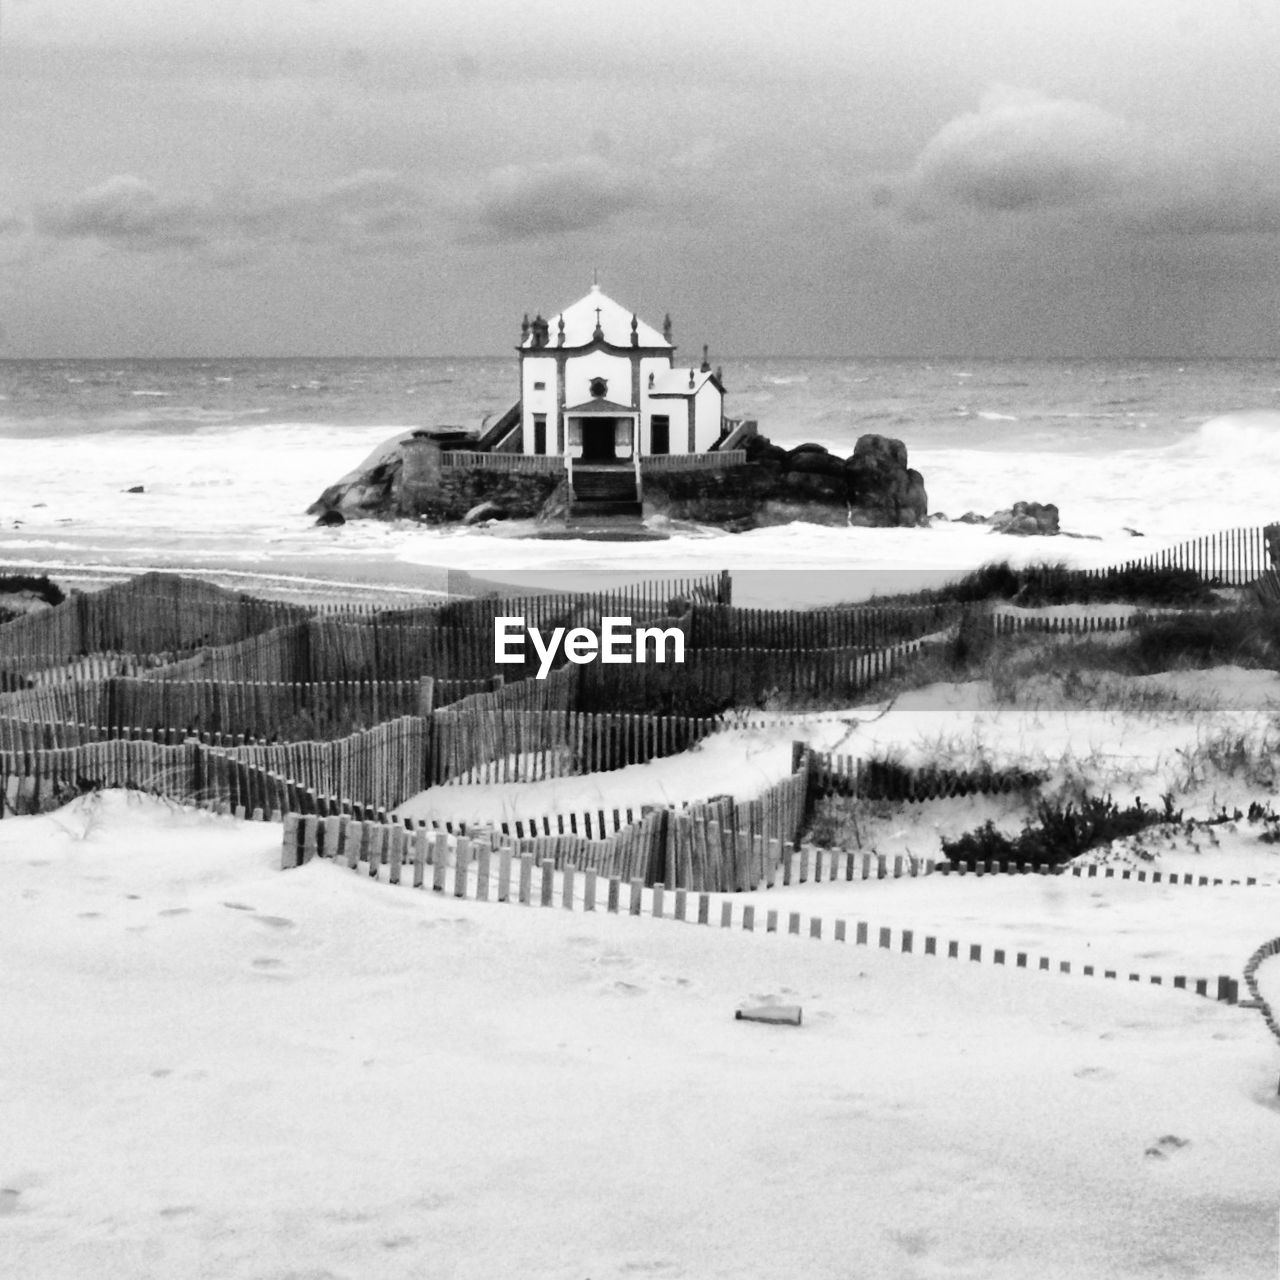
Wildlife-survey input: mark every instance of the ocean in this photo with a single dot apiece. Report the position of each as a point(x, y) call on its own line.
point(1137, 454)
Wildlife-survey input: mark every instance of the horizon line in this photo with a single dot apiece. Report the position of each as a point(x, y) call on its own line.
point(898, 356)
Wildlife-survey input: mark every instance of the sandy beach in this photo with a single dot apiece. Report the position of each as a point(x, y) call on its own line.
point(309, 1072)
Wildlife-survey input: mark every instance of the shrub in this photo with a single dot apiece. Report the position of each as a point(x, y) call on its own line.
point(1046, 584)
point(1201, 640)
point(40, 586)
point(1058, 833)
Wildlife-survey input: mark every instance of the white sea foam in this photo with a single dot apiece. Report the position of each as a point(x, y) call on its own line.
point(242, 493)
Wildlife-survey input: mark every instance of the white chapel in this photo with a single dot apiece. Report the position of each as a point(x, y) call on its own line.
point(599, 385)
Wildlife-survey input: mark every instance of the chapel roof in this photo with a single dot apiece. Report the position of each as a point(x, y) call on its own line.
point(681, 381)
point(580, 325)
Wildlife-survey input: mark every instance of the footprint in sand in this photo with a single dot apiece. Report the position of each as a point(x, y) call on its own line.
point(1165, 1146)
point(627, 989)
point(238, 906)
point(175, 911)
point(275, 922)
point(1093, 1073)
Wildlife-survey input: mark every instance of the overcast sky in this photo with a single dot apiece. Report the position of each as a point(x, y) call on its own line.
point(824, 177)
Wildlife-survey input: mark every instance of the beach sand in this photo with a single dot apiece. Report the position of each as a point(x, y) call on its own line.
point(224, 1069)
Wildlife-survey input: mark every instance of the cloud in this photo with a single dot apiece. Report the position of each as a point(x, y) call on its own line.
point(125, 210)
point(1023, 153)
point(1021, 150)
point(520, 202)
point(371, 210)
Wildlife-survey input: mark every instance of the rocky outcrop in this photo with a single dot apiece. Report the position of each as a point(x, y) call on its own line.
point(383, 487)
point(369, 489)
point(1025, 519)
point(873, 487)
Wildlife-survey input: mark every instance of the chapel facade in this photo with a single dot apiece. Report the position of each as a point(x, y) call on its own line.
point(600, 386)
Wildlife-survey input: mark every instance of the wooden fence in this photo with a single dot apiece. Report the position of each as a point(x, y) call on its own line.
point(258, 709)
point(531, 464)
point(712, 680)
point(504, 745)
point(35, 781)
point(377, 768)
point(715, 461)
point(153, 613)
point(734, 845)
point(479, 871)
point(481, 863)
point(202, 631)
point(1231, 557)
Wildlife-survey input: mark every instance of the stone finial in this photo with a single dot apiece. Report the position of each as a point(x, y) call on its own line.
point(666, 327)
point(690, 377)
point(597, 333)
point(650, 379)
point(719, 373)
point(635, 330)
point(560, 335)
point(706, 364)
point(524, 327)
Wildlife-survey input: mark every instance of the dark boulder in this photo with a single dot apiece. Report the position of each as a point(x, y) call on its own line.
point(1027, 519)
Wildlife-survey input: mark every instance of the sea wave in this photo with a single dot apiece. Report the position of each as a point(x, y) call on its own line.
point(1246, 437)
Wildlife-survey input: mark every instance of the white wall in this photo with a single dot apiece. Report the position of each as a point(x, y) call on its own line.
point(538, 369)
point(708, 411)
point(579, 370)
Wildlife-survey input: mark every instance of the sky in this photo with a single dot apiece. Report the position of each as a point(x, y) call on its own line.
point(817, 177)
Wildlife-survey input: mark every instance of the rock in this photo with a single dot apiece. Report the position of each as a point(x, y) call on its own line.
point(881, 483)
point(877, 446)
point(367, 490)
point(137, 488)
point(972, 517)
point(483, 511)
point(873, 487)
point(1027, 519)
point(331, 518)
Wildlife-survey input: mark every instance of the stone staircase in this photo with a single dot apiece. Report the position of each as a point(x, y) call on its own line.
point(604, 491)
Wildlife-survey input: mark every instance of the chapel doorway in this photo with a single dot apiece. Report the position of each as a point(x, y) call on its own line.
point(599, 440)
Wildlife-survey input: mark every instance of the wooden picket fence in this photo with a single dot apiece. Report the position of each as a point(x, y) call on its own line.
point(380, 767)
point(505, 745)
point(630, 853)
point(716, 461)
point(153, 613)
point(260, 709)
point(482, 869)
point(530, 464)
point(734, 845)
point(723, 678)
point(1230, 557)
